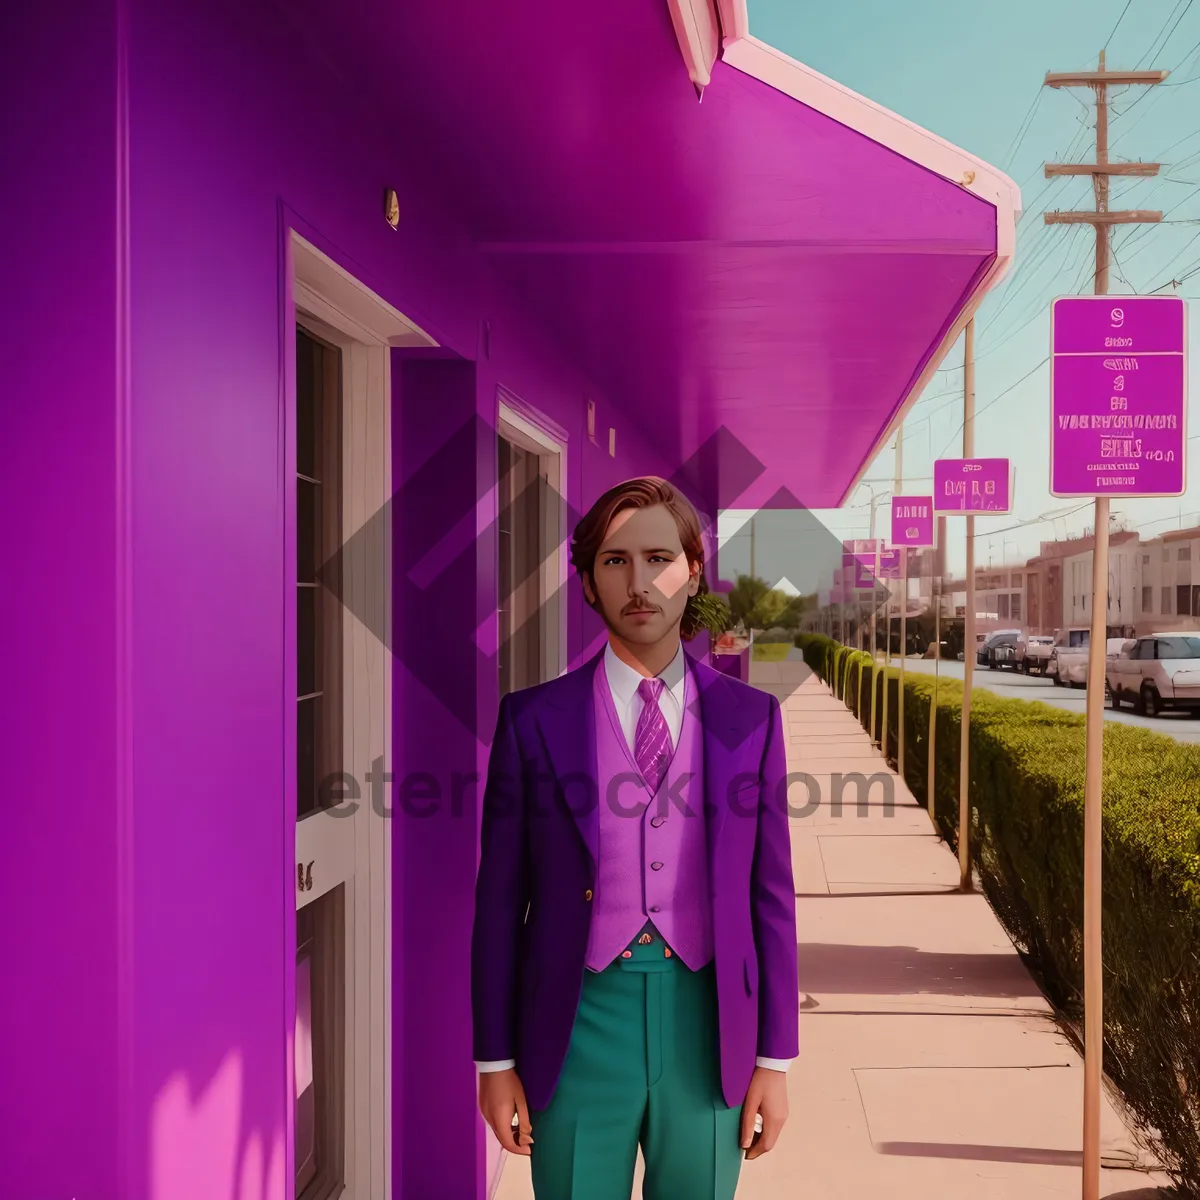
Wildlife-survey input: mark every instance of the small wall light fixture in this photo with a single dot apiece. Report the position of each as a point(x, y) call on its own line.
point(391, 208)
point(591, 411)
point(612, 442)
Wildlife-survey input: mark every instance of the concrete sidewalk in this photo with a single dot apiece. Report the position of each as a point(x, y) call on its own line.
point(929, 1064)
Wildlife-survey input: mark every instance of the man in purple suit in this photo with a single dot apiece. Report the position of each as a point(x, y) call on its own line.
point(634, 952)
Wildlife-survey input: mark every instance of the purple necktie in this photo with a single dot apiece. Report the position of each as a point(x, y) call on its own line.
point(652, 742)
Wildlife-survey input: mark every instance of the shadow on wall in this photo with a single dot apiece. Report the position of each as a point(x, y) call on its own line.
point(199, 1148)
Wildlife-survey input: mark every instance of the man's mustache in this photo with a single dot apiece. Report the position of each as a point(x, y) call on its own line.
point(638, 608)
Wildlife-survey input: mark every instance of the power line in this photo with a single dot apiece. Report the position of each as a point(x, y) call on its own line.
point(1118, 24)
point(994, 400)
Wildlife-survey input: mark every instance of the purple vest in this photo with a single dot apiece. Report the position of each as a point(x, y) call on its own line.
point(652, 866)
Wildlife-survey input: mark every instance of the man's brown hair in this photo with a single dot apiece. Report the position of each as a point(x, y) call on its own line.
point(643, 492)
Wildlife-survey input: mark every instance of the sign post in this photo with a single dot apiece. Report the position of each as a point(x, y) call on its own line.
point(890, 568)
point(912, 528)
point(1118, 415)
point(967, 486)
point(860, 561)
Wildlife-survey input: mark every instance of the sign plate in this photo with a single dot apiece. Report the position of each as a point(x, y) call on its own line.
point(972, 485)
point(912, 521)
point(1118, 396)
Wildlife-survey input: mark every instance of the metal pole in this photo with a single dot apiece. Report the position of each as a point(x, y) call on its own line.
point(964, 768)
point(1093, 982)
point(874, 627)
point(874, 662)
point(903, 609)
point(933, 703)
point(887, 666)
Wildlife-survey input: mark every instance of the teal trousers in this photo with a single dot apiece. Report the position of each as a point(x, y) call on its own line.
point(643, 1067)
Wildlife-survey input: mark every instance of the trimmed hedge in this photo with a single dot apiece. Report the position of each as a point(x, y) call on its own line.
point(1026, 799)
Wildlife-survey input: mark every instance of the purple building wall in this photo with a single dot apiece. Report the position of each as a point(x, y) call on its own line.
point(180, 920)
point(59, 493)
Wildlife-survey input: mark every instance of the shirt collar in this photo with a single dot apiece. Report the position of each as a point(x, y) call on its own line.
point(623, 680)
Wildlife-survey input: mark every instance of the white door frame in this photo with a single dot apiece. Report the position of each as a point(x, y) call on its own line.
point(357, 850)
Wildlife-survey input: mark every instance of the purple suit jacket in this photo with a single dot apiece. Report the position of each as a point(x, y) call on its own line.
point(538, 869)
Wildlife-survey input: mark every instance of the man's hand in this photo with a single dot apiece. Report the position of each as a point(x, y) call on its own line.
point(501, 1095)
point(767, 1098)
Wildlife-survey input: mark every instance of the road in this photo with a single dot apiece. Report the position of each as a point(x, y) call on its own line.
point(1181, 726)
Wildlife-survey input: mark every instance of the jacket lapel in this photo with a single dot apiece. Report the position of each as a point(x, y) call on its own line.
point(728, 729)
point(567, 721)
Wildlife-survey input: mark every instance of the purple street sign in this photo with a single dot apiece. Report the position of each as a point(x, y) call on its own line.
point(972, 485)
point(864, 574)
point(912, 521)
point(1118, 396)
point(889, 564)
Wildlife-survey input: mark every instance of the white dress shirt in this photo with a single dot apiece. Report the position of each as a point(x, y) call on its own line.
point(623, 682)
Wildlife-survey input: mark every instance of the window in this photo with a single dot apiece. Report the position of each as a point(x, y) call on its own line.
point(1145, 560)
point(1147, 599)
point(529, 544)
point(1166, 602)
point(1002, 606)
point(1079, 637)
point(1015, 606)
point(1184, 554)
point(1179, 647)
point(1144, 650)
point(319, 1067)
point(320, 925)
point(318, 537)
point(1183, 600)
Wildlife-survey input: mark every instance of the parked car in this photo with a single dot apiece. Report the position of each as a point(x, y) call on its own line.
point(1000, 650)
point(983, 651)
point(1033, 654)
point(1073, 662)
point(1067, 664)
point(1157, 672)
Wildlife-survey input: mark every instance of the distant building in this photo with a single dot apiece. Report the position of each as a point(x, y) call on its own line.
point(1169, 585)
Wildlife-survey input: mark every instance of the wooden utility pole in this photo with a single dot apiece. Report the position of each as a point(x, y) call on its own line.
point(1093, 986)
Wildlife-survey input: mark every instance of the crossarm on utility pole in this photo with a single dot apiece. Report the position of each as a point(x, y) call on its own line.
point(1132, 217)
point(1133, 168)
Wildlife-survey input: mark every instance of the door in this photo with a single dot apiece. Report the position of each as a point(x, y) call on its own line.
point(1124, 669)
point(341, 731)
point(340, 486)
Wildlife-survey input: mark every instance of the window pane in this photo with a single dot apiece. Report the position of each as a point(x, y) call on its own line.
point(308, 601)
point(318, 1057)
point(319, 664)
point(308, 526)
point(307, 713)
point(1179, 647)
point(523, 501)
point(308, 425)
point(306, 1092)
point(1183, 600)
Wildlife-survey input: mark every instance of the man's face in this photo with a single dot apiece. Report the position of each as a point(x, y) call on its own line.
point(641, 577)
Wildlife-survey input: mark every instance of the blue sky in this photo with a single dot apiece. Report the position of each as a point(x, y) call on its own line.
point(973, 75)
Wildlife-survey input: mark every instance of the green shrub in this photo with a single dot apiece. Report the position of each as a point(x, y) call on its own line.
point(1026, 801)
